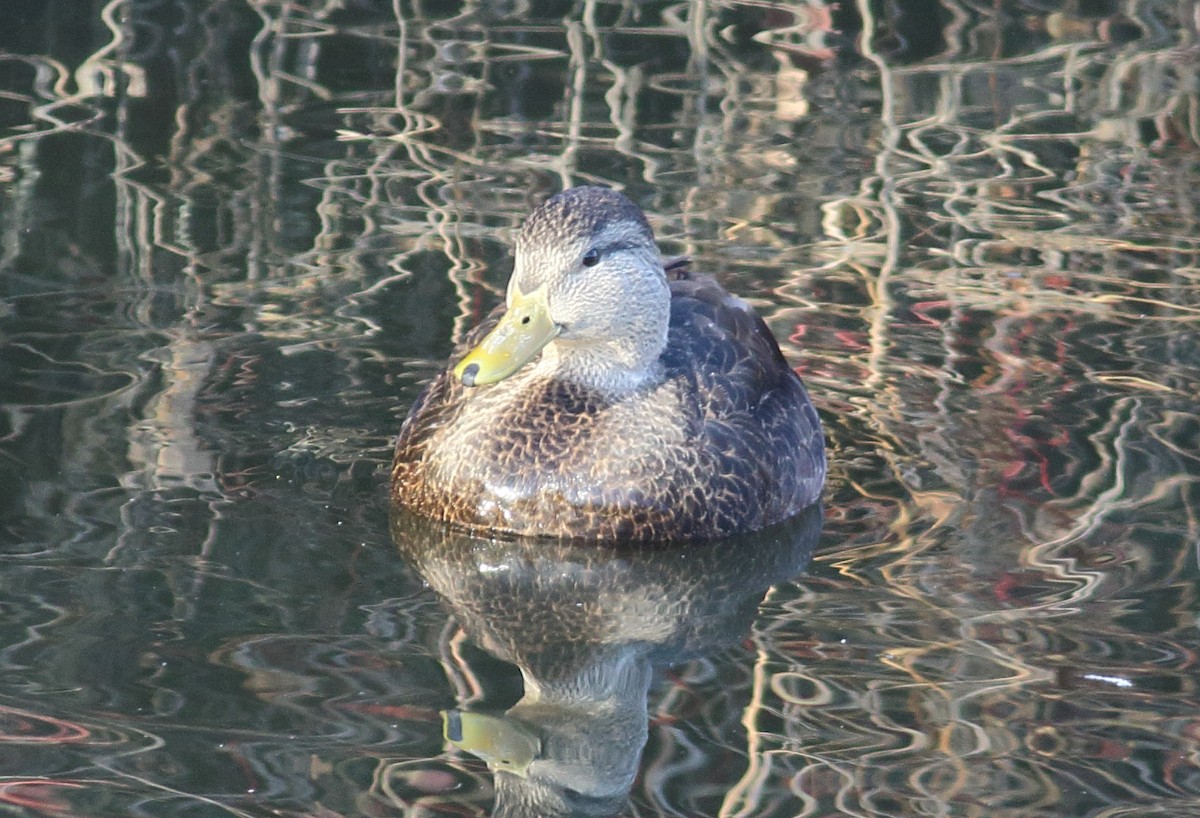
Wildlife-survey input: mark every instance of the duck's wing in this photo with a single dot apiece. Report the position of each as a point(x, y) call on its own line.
point(745, 407)
point(726, 345)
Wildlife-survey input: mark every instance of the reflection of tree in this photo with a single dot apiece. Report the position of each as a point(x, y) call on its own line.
point(978, 234)
point(1025, 385)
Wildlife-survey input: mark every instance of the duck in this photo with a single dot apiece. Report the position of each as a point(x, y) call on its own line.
point(612, 397)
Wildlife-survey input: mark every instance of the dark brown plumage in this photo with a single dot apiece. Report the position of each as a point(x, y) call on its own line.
point(717, 436)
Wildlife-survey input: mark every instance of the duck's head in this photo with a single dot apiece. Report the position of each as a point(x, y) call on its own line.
point(588, 292)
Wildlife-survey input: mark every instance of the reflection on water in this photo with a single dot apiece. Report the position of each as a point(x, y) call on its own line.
point(587, 627)
point(235, 238)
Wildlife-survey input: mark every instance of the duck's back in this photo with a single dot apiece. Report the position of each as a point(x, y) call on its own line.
point(725, 442)
point(762, 437)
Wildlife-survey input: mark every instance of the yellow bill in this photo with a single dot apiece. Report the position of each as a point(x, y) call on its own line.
point(502, 743)
point(521, 334)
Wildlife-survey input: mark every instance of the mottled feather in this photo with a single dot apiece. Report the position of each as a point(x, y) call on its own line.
point(724, 440)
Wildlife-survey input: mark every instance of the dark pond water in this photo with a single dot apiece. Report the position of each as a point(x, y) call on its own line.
point(238, 236)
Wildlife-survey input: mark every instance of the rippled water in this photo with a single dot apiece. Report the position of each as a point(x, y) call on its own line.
point(237, 237)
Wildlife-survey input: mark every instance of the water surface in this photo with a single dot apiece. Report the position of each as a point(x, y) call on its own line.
point(238, 236)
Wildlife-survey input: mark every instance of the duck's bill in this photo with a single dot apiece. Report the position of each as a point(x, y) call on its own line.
point(503, 743)
point(521, 334)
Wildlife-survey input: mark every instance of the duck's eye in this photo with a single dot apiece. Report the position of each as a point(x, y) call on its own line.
point(591, 258)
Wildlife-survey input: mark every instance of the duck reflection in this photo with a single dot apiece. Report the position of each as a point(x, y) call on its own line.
point(587, 626)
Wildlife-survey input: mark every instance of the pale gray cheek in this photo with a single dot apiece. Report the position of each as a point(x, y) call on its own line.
point(575, 326)
point(585, 322)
